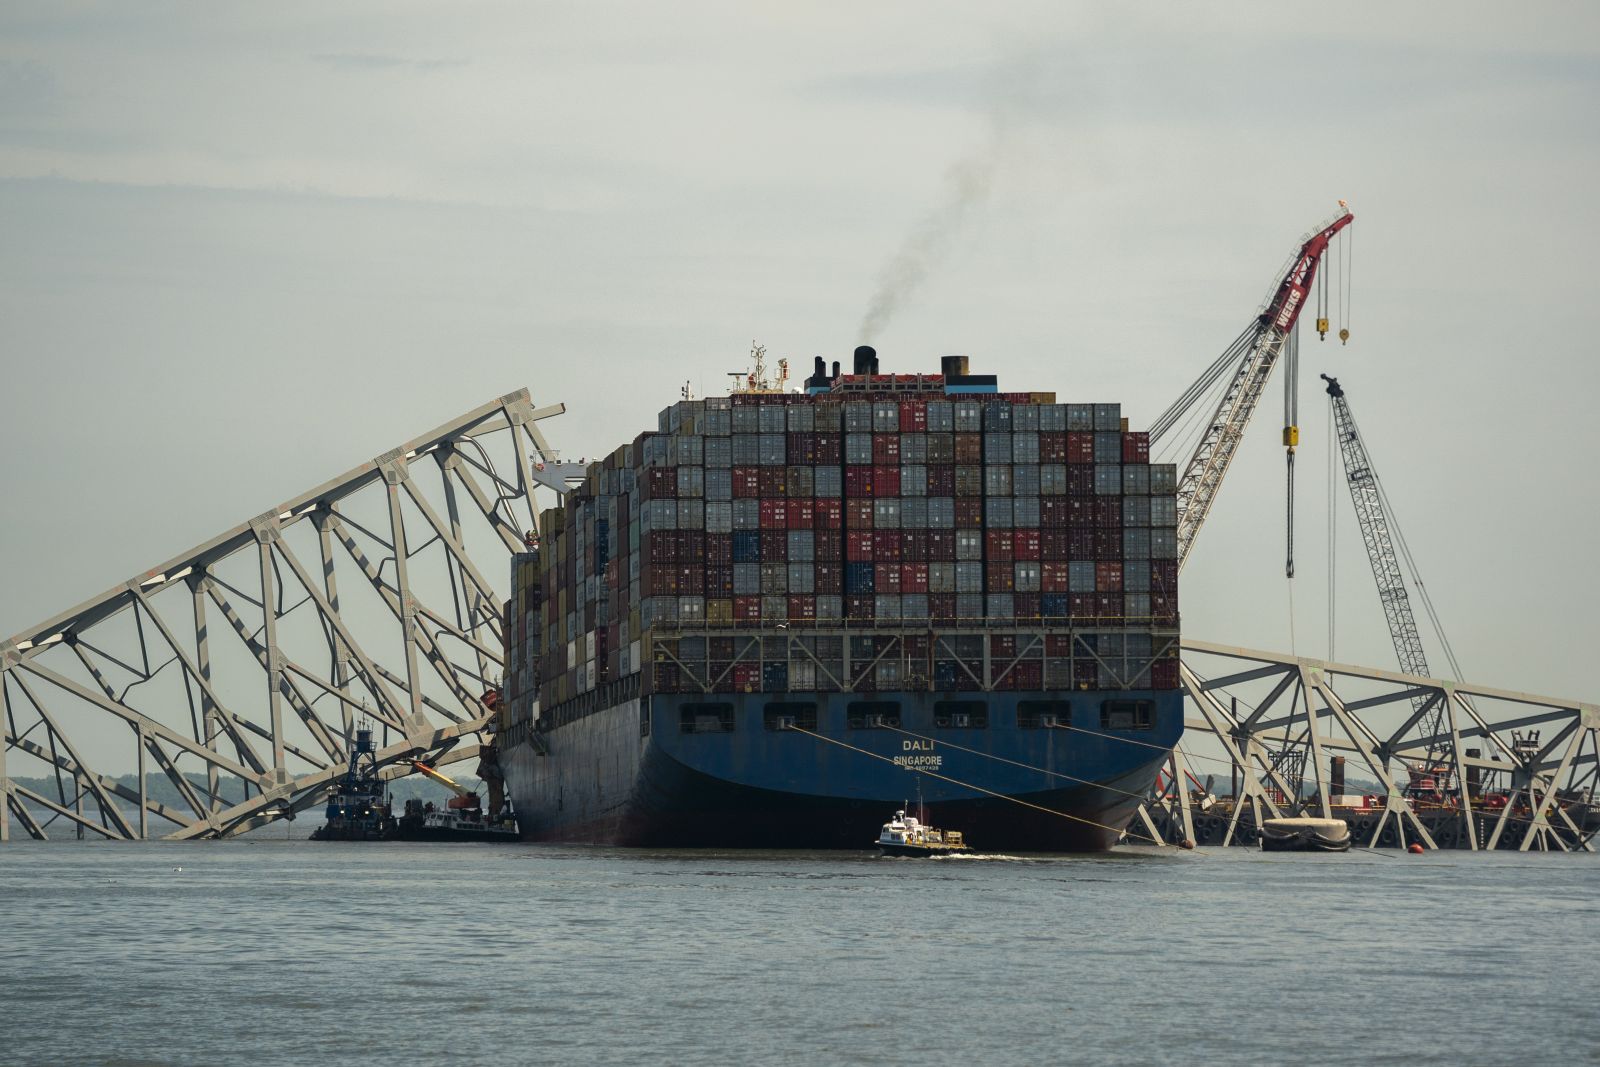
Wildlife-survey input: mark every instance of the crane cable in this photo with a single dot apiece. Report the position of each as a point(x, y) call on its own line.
point(980, 789)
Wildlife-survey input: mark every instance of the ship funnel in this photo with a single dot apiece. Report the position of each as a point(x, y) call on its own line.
point(953, 366)
point(835, 370)
point(819, 375)
point(866, 360)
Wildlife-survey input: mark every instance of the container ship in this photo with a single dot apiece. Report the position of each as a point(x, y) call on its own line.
point(762, 624)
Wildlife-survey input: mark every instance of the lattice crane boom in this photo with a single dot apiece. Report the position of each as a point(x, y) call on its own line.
point(1367, 496)
point(1263, 343)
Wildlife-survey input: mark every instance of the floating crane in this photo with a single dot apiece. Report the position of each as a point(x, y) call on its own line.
point(1366, 492)
point(1252, 356)
point(464, 799)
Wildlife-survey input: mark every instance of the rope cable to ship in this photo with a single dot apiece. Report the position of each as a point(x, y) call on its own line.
point(981, 789)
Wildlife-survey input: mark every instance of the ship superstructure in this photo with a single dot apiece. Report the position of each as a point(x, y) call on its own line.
point(772, 610)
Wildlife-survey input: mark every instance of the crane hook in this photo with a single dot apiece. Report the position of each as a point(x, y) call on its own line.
point(1344, 336)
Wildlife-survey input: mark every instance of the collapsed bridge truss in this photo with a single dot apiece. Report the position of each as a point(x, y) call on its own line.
point(240, 669)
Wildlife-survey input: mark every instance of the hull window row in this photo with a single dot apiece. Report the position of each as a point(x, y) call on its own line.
point(1128, 715)
point(790, 715)
point(1043, 714)
point(961, 715)
point(706, 718)
point(873, 715)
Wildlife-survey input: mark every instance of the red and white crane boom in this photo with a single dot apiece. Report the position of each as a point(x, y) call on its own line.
point(1256, 351)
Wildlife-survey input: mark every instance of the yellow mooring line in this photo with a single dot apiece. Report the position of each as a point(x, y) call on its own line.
point(988, 792)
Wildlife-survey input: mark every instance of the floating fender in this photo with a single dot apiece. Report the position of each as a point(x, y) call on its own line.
point(1389, 838)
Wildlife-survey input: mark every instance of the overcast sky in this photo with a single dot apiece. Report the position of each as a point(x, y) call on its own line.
point(246, 247)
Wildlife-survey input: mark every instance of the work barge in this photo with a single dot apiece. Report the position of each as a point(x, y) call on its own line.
point(221, 691)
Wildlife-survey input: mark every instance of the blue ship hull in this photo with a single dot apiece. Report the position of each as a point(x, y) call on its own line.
point(630, 774)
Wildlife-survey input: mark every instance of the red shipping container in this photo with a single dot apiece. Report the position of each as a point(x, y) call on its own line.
point(886, 481)
point(860, 607)
point(969, 448)
point(774, 481)
point(914, 546)
point(802, 514)
point(1027, 675)
point(913, 577)
point(858, 514)
point(1136, 447)
point(747, 608)
point(1164, 674)
point(858, 546)
point(1028, 544)
point(1163, 608)
point(941, 479)
point(830, 579)
point(774, 546)
point(661, 547)
point(1052, 447)
point(941, 546)
point(885, 579)
point(1108, 605)
point(830, 545)
point(746, 482)
point(830, 449)
point(1107, 544)
point(1081, 605)
point(1056, 645)
point(886, 545)
point(969, 512)
point(803, 607)
point(1003, 647)
point(691, 579)
point(999, 545)
point(774, 514)
point(746, 677)
point(661, 483)
point(1108, 511)
point(691, 546)
point(1001, 578)
point(1080, 447)
point(660, 581)
point(1053, 544)
point(1053, 577)
point(719, 549)
point(913, 416)
point(1108, 577)
point(886, 450)
point(1164, 576)
point(858, 481)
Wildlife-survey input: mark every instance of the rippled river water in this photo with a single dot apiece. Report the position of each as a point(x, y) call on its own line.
point(268, 952)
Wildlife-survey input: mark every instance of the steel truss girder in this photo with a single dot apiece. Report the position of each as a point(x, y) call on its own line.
point(1297, 701)
point(134, 679)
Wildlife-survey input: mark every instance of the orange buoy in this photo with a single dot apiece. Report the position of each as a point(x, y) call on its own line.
point(1416, 848)
point(1186, 844)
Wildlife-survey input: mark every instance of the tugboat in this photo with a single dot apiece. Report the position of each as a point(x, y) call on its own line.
point(905, 835)
point(358, 806)
point(462, 818)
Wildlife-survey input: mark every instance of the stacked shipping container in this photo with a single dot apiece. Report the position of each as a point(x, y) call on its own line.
point(862, 506)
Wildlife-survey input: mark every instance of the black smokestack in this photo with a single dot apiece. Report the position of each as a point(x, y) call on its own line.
point(1336, 775)
point(953, 366)
point(866, 361)
point(835, 370)
point(819, 375)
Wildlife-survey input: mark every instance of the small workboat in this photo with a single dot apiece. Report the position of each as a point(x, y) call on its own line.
point(1305, 835)
point(905, 835)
